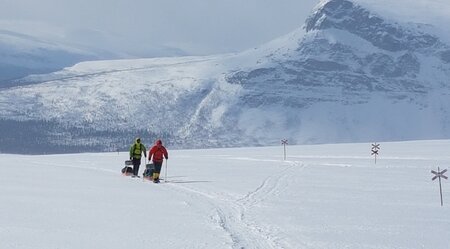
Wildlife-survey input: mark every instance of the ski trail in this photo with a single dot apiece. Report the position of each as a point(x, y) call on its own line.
point(270, 186)
point(227, 214)
point(231, 213)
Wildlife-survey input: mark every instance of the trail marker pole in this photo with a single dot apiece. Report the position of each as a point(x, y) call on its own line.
point(375, 149)
point(439, 174)
point(284, 142)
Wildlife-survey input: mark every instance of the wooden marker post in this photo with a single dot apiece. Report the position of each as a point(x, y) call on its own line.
point(375, 149)
point(439, 174)
point(284, 142)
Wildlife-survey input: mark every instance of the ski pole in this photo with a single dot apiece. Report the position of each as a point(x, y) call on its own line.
point(165, 173)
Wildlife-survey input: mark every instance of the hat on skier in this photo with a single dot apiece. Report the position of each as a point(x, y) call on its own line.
point(138, 139)
point(159, 142)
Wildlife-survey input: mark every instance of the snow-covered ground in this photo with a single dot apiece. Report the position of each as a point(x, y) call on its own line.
point(322, 196)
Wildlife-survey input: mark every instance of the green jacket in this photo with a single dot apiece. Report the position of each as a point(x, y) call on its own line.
point(136, 150)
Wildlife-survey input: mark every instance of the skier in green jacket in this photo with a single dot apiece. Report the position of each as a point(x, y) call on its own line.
point(136, 151)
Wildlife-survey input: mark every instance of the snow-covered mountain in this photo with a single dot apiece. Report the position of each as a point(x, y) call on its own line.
point(38, 48)
point(348, 75)
point(23, 54)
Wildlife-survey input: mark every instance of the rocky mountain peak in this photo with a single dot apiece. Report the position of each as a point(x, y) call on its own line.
point(349, 16)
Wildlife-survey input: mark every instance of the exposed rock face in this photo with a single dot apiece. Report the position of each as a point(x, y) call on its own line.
point(353, 62)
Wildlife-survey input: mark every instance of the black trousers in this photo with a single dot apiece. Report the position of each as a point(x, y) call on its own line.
point(158, 166)
point(136, 164)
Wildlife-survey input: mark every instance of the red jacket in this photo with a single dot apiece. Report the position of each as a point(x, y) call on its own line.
point(158, 153)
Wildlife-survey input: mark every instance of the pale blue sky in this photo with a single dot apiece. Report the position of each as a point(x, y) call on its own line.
point(137, 26)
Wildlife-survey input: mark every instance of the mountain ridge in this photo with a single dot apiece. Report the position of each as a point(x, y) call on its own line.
point(349, 76)
point(24, 54)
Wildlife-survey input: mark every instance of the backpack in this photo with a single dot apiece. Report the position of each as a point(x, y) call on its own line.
point(137, 149)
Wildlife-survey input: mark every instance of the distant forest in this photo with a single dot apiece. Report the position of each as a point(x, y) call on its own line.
point(49, 137)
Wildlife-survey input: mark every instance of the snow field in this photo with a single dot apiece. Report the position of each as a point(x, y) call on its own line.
point(322, 196)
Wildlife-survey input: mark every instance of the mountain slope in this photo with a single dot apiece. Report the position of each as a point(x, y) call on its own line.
point(350, 75)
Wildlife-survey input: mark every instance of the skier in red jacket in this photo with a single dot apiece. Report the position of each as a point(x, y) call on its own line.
point(157, 154)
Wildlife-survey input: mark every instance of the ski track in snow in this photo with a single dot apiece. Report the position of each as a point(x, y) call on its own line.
point(231, 213)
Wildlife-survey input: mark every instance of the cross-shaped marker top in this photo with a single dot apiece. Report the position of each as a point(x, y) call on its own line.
point(439, 174)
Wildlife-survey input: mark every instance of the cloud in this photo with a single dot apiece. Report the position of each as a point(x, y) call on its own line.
point(197, 26)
